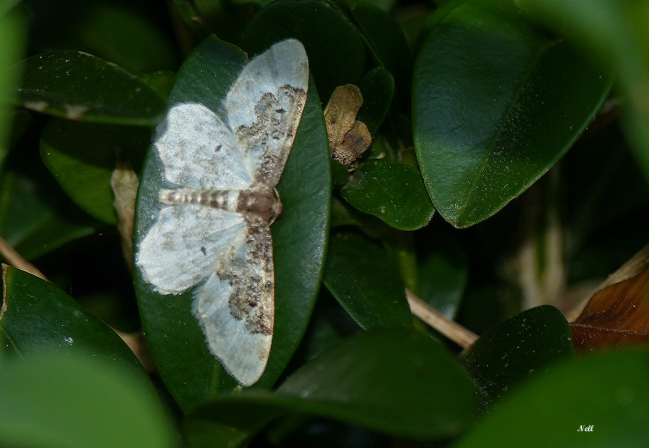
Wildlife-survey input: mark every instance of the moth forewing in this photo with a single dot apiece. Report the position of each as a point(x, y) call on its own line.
point(212, 231)
point(264, 107)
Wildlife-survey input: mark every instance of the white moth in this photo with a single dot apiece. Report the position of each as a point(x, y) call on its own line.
point(213, 222)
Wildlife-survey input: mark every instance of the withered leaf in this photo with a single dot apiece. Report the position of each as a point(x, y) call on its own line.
point(348, 138)
point(616, 314)
point(124, 183)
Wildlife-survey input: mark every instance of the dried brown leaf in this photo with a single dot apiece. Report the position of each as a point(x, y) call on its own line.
point(124, 183)
point(618, 312)
point(348, 138)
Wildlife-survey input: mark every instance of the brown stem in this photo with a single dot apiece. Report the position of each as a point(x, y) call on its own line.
point(14, 258)
point(452, 330)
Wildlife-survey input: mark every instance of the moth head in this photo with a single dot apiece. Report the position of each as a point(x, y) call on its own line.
point(276, 208)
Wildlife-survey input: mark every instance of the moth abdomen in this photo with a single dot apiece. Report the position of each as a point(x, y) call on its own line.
point(261, 202)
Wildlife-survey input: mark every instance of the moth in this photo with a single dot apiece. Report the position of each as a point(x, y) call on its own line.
point(212, 230)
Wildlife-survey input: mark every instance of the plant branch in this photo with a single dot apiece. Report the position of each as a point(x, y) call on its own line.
point(14, 258)
point(452, 330)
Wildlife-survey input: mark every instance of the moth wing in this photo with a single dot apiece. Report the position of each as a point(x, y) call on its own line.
point(185, 244)
point(264, 107)
point(198, 150)
point(236, 307)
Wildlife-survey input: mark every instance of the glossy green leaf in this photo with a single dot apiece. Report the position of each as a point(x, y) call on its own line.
point(79, 86)
point(391, 191)
point(366, 282)
point(334, 45)
point(495, 104)
point(35, 215)
point(608, 391)
point(385, 41)
point(54, 400)
point(615, 32)
point(12, 36)
point(177, 343)
point(82, 157)
point(377, 88)
point(526, 344)
point(37, 316)
point(394, 381)
point(443, 275)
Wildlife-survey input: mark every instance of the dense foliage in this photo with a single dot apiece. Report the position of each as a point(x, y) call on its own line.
point(507, 177)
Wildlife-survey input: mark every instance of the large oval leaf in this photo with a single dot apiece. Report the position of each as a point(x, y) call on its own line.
point(495, 104)
point(177, 343)
point(76, 402)
point(394, 381)
point(79, 86)
point(615, 31)
point(37, 316)
point(366, 282)
point(609, 392)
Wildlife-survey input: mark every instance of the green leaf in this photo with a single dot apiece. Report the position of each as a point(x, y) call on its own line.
point(12, 36)
point(394, 381)
point(608, 391)
point(523, 345)
point(444, 274)
point(35, 215)
point(377, 88)
point(177, 343)
point(53, 400)
point(391, 191)
point(614, 31)
point(334, 45)
point(366, 282)
point(82, 157)
point(495, 104)
point(79, 86)
point(37, 316)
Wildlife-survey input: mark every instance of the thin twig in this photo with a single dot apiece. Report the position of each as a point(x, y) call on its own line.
point(14, 258)
point(452, 330)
